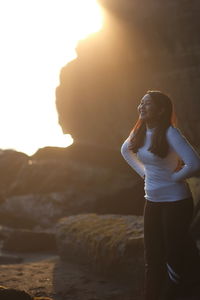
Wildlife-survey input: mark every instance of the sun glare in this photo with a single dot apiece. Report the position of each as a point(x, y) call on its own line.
point(38, 37)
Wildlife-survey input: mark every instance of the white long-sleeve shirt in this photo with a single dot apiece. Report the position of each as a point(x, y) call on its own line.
point(162, 183)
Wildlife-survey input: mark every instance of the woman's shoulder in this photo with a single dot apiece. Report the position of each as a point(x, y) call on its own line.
point(173, 131)
point(174, 134)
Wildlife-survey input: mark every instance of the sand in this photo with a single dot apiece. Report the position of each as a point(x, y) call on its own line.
point(46, 275)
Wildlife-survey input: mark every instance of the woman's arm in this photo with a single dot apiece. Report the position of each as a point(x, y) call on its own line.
point(132, 159)
point(186, 152)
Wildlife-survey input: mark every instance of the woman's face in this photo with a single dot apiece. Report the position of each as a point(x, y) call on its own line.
point(147, 109)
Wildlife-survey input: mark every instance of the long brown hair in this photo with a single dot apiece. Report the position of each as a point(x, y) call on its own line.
point(159, 145)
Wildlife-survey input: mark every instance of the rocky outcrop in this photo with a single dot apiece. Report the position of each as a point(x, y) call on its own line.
point(11, 163)
point(106, 241)
point(42, 210)
point(143, 45)
point(59, 182)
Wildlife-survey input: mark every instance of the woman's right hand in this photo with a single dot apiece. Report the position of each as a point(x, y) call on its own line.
point(179, 166)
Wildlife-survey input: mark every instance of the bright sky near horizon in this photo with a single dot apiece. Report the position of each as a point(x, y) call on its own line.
point(38, 37)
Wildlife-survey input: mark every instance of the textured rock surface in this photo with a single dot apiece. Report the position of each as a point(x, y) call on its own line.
point(43, 210)
point(111, 245)
point(104, 240)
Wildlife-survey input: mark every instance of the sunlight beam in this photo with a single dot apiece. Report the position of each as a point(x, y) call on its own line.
point(38, 37)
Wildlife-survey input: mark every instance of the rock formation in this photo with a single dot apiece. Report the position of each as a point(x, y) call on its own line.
point(38, 190)
point(144, 45)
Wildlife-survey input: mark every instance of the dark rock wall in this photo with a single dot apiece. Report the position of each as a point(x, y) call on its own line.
point(144, 45)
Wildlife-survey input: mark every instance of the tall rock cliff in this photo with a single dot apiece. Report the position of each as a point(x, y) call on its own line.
point(143, 45)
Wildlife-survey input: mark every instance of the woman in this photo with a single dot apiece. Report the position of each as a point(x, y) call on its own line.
point(163, 157)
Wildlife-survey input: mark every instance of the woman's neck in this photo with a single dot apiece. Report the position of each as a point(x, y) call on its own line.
point(150, 125)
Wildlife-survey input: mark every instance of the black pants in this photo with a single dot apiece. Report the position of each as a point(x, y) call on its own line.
point(172, 260)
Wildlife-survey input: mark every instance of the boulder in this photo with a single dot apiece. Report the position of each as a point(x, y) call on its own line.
point(11, 163)
point(106, 242)
point(33, 210)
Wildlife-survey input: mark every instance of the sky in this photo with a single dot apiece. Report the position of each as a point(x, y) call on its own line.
point(37, 38)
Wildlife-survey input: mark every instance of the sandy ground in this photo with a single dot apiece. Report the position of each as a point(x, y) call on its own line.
point(46, 275)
